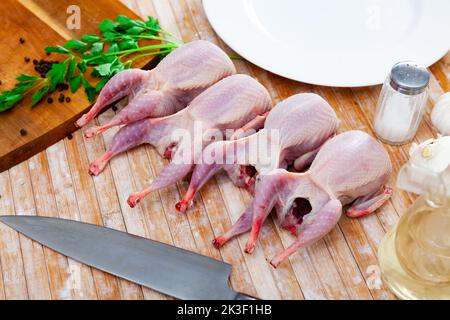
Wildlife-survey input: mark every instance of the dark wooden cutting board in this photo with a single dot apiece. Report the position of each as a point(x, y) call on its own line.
point(43, 23)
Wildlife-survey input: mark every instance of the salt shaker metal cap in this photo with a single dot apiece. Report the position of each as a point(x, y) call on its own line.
point(409, 78)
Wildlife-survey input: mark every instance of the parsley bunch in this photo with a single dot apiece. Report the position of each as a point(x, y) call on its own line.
point(103, 56)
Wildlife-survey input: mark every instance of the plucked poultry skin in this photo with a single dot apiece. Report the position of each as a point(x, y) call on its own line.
point(351, 168)
point(294, 129)
point(229, 104)
point(164, 90)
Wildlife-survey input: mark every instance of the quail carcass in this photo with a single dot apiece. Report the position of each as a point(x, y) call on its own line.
point(294, 129)
point(351, 168)
point(164, 90)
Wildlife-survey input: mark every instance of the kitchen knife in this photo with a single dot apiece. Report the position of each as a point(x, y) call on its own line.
point(177, 272)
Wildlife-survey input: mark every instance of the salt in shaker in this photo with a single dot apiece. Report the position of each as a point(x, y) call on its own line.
point(401, 104)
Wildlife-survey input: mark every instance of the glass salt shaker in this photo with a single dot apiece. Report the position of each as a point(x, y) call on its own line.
point(401, 104)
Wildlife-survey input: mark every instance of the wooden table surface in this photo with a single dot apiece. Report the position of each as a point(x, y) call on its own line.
point(343, 265)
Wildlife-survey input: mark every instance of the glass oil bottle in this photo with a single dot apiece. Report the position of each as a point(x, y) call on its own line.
point(414, 257)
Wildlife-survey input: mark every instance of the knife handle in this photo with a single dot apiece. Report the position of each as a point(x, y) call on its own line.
point(242, 296)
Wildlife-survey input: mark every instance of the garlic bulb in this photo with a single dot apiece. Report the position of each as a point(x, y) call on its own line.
point(440, 116)
point(428, 167)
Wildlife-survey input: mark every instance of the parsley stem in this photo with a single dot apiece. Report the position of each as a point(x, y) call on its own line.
point(156, 38)
point(157, 46)
point(35, 85)
point(149, 54)
point(126, 52)
point(142, 36)
point(165, 33)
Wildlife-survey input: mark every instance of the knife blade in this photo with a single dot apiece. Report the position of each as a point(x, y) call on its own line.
point(174, 271)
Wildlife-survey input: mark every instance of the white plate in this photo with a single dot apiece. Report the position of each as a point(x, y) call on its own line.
point(333, 42)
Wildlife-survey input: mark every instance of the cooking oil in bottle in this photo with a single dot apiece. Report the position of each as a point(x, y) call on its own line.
point(414, 257)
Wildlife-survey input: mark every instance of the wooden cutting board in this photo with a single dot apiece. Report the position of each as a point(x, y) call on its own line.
point(43, 23)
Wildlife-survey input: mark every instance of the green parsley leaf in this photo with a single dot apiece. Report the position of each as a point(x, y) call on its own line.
point(128, 44)
point(90, 38)
point(75, 83)
point(74, 44)
point(102, 70)
point(57, 74)
point(26, 78)
point(39, 95)
point(88, 89)
point(9, 101)
point(22, 86)
point(82, 66)
point(101, 84)
point(114, 47)
point(71, 69)
point(97, 49)
point(58, 49)
point(152, 23)
point(107, 26)
point(109, 36)
point(135, 30)
point(123, 20)
point(138, 23)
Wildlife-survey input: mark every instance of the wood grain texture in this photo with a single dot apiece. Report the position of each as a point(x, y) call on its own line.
point(343, 265)
point(43, 23)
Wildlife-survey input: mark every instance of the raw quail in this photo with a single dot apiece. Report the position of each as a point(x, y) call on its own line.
point(294, 129)
point(166, 89)
point(229, 104)
point(351, 168)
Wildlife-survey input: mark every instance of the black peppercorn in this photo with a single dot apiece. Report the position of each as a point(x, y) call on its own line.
point(69, 136)
point(21, 40)
point(67, 99)
point(114, 108)
point(23, 132)
point(61, 97)
point(50, 100)
point(27, 59)
point(43, 67)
